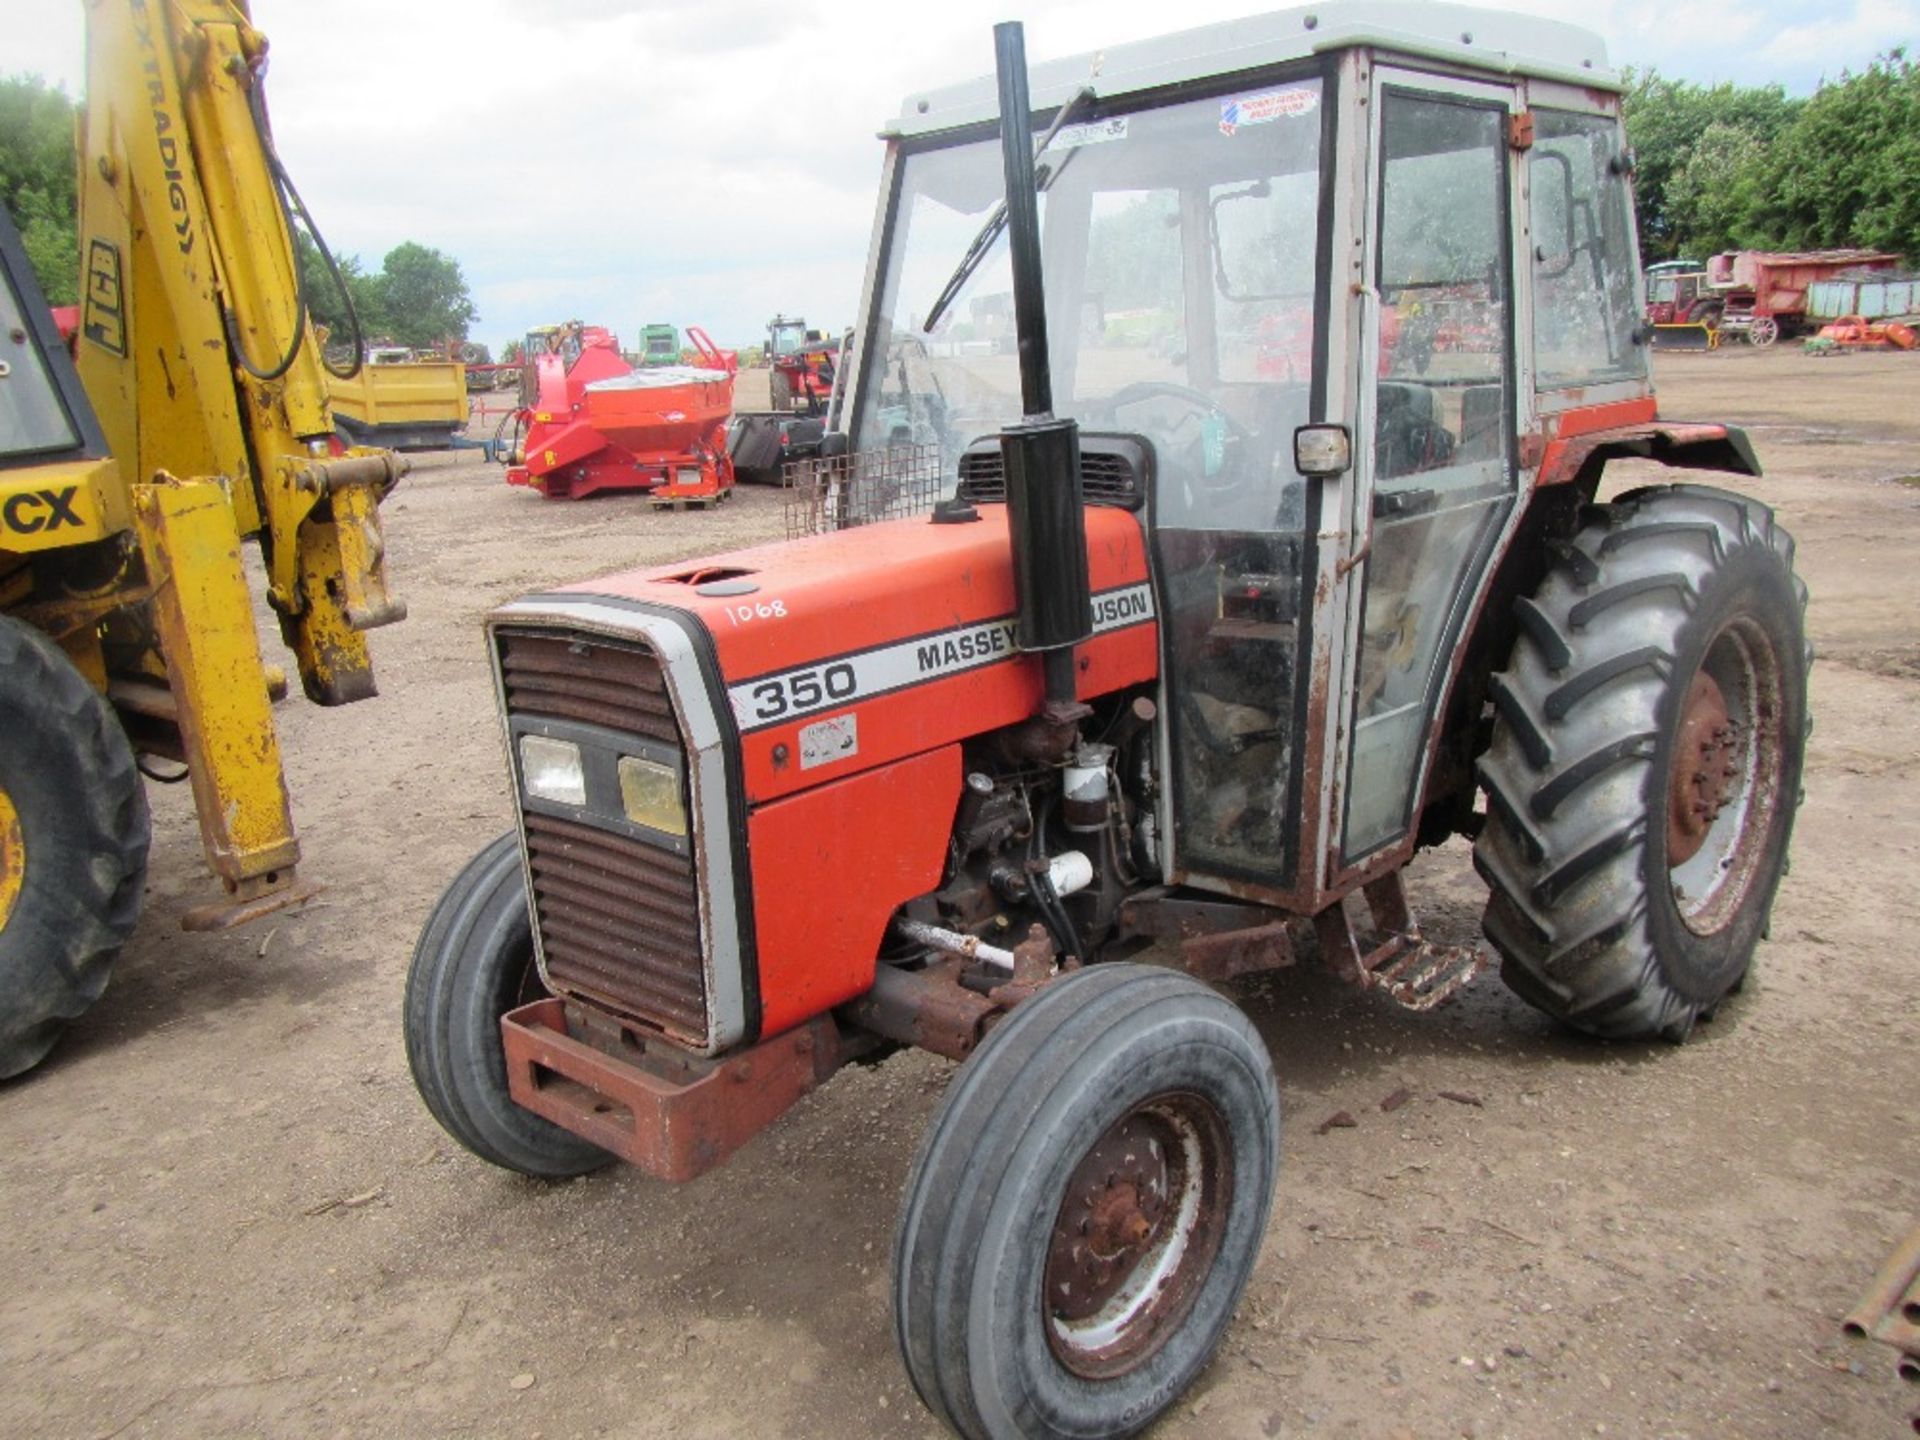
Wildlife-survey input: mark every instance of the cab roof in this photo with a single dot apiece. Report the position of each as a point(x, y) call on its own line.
point(1493, 41)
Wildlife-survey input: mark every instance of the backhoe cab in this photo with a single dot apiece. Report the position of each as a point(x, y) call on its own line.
point(1265, 377)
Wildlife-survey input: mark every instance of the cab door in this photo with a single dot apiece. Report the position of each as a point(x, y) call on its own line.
point(1435, 434)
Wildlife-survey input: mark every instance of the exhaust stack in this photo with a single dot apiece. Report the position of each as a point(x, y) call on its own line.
point(1041, 454)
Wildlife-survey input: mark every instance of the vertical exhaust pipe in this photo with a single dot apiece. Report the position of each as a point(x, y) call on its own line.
point(1041, 455)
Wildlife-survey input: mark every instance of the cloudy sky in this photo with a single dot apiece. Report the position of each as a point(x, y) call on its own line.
point(713, 161)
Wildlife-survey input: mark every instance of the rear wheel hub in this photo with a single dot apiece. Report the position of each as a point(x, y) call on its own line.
point(1703, 770)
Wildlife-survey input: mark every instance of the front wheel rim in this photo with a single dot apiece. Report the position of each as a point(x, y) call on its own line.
point(1725, 779)
point(1136, 1235)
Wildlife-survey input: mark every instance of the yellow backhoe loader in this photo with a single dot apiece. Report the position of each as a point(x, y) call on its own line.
point(192, 416)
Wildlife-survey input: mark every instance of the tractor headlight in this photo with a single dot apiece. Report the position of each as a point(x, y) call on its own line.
point(650, 794)
point(551, 770)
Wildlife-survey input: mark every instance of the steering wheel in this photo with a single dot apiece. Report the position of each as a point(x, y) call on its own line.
point(1189, 457)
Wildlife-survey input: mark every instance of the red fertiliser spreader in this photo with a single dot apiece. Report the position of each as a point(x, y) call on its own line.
point(594, 422)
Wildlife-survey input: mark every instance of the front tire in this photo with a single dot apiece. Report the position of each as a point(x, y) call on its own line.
point(474, 963)
point(1086, 1208)
point(1646, 762)
point(73, 844)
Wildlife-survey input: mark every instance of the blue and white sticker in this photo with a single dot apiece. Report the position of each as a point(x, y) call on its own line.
point(1266, 107)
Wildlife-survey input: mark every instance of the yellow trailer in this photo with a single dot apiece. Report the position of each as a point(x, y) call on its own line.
point(400, 402)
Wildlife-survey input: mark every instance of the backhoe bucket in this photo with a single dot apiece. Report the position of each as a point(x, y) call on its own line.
point(1685, 337)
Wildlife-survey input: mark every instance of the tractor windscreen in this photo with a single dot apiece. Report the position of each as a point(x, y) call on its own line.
point(1178, 245)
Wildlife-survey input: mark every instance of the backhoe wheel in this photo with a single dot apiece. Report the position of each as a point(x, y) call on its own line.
point(73, 844)
point(1086, 1207)
point(474, 963)
point(1645, 763)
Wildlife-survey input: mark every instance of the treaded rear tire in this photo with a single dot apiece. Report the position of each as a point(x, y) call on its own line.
point(68, 770)
point(1584, 908)
point(474, 963)
point(984, 1199)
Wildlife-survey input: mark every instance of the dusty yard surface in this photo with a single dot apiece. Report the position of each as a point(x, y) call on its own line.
point(226, 1212)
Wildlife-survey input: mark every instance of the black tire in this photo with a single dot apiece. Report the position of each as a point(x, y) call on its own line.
point(780, 388)
point(73, 874)
point(1632, 879)
point(986, 1207)
point(474, 963)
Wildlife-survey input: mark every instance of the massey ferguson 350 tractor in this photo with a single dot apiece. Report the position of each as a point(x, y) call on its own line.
point(1192, 649)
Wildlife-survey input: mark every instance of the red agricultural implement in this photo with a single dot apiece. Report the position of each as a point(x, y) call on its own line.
point(594, 422)
point(1856, 332)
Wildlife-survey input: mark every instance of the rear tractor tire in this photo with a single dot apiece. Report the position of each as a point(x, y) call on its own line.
point(474, 963)
point(1086, 1208)
point(1645, 764)
point(73, 844)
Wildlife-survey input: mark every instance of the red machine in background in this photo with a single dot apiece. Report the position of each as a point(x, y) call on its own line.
point(1764, 294)
point(591, 421)
point(803, 365)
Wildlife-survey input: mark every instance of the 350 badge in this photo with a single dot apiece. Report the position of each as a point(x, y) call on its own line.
point(802, 690)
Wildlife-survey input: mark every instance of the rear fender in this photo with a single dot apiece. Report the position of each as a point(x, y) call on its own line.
point(1683, 446)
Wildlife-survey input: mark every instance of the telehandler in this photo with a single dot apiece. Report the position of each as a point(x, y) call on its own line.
point(126, 627)
point(1192, 647)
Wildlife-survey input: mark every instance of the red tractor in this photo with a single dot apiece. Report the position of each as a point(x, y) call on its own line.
point(1186, 652)
point(803, 366)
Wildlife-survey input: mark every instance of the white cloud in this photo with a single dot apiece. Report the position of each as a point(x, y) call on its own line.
point(712, 163)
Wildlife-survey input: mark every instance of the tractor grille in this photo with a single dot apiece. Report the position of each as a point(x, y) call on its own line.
point(619, 918)
point(1112, 472)
point(562, 677)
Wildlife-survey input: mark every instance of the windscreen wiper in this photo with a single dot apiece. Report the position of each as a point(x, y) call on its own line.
point(996, 222)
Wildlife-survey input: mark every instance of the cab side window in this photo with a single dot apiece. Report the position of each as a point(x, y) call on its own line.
point(1584, 318)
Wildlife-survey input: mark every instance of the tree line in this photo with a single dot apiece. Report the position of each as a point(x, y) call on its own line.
point(1737, 167)
point(418, 297)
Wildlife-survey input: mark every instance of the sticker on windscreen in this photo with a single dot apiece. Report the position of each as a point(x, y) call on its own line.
point(1094, 132)
point(1265, 108)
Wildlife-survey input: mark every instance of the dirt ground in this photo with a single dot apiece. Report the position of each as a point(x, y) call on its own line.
point(228, 1213)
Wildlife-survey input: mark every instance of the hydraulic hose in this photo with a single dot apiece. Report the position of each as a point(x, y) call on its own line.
point(287, 196)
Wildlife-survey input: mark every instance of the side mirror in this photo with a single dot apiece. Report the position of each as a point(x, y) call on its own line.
point(1321, 452)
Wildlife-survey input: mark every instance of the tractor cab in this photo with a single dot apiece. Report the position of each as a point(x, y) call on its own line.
point(787, 337)
point(1425, 263)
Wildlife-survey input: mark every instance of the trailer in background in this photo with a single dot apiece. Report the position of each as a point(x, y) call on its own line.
point(1871, 297)
point(1764, 293)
